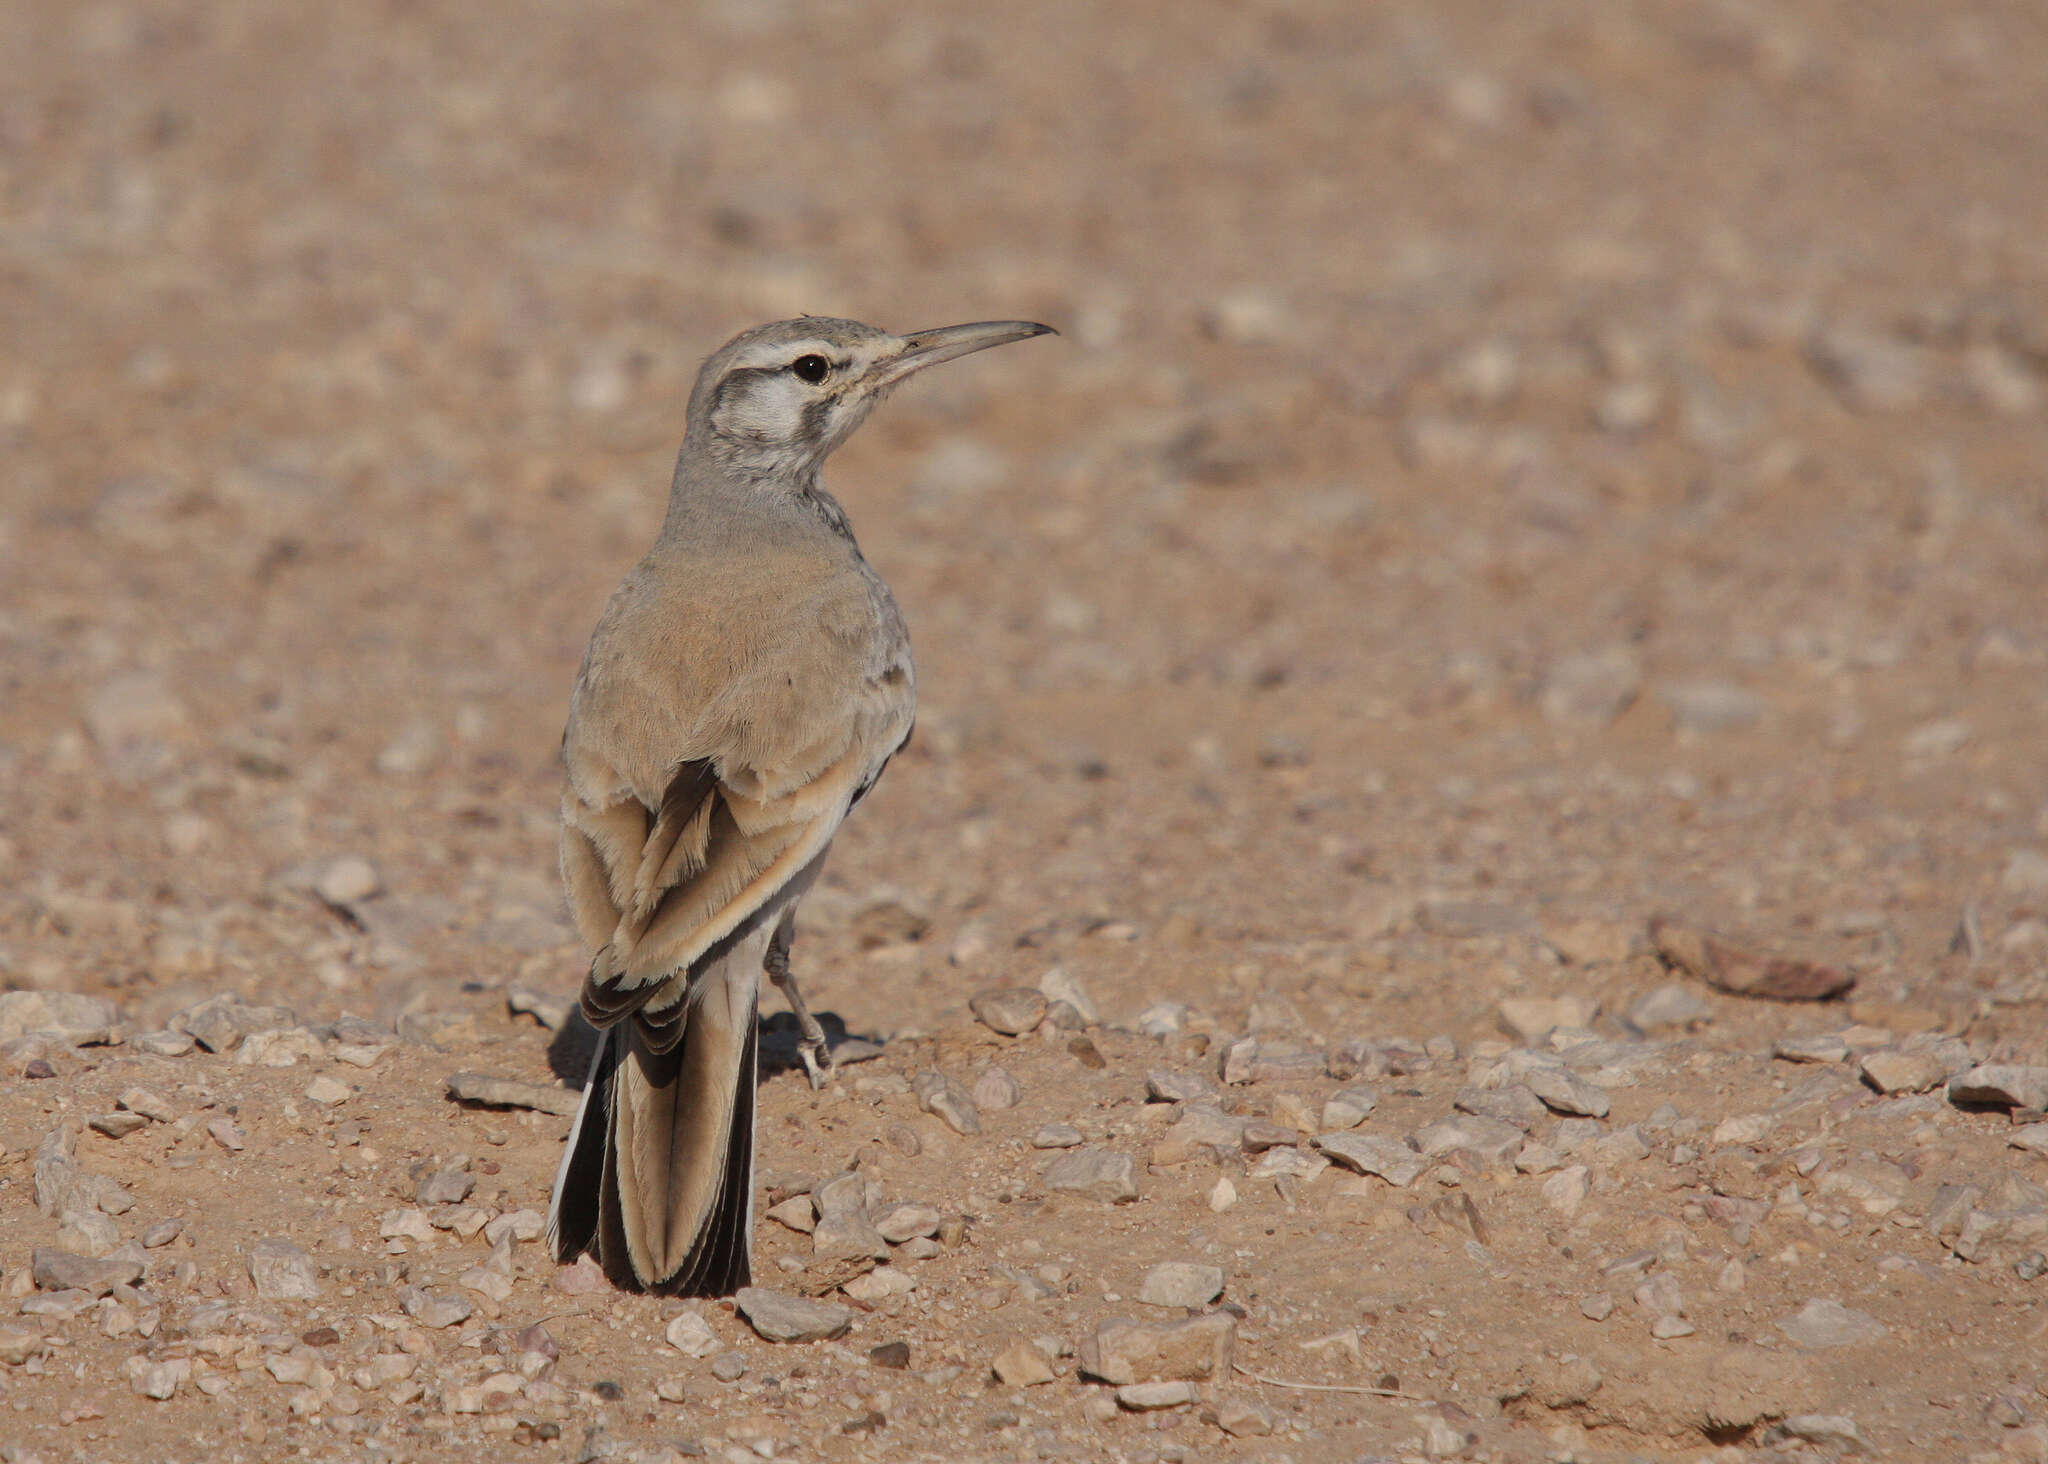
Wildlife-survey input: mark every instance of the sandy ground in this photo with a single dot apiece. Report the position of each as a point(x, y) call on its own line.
point(1507, 473)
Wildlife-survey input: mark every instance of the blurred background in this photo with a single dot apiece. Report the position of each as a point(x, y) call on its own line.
point(1577, 457)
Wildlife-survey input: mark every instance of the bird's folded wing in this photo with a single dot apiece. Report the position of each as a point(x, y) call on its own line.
point(712, 856)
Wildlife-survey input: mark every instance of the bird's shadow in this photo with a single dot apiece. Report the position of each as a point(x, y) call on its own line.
point(575, 1041)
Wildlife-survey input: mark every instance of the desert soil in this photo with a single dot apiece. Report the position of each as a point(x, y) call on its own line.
point(1508, 473)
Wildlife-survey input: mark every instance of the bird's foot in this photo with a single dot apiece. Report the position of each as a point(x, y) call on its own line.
point(816, 1054)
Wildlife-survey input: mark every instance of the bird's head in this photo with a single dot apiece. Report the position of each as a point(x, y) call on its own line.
point(775, 400)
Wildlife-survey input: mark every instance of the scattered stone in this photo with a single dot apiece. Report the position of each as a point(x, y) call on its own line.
point(780, 1317)
point(691, 1335)
point(445, 1187)
point(550, 1010)
point(1222, 1194)
point(995, 1090)
point(907, 1222)
point(1057, 1136)
point(19, 1344)
point(66, 1016)
point(282, 1271)
point(1894, 1071)
point(326, 1091)
point(219, 1023)
point(1871, 372)
point(1121, 1351)
point(1244, 1418)
point(797, 1212)
point(728, 1367)
point(161, 1234)
point(1181, 1283)
point(1730, 968)
point(2032, 1137)
point(1829, 1430)
point(1669, 1008)
point(1150, 1397)
point(1827, 1323)
point(164, 1043)
point(1668, 1327)
point(1531, 1019)
point(894, 1355)
point(482, 1088)
point(1101, 1174)
point(1710, 706)
point(1592, 688)
point(1488, 1138)
point(1163, 1018)
point(1059, 987)
point(117, 1125)
point(1471, 919)
point(1021, 1365)
point(1392, 1161)
point(1514, 1103)
point(1596, 1308)
point(880, 1284)
point(581, 1277)
point(1564, 1091)
point(1200, 1128)
point(434, 1309)
point(1173, 1087)
point(522, 1225)
point(844, 1235)
point(940, 1095)
point(1261, 1134)
point(58, 1270)
point(348, 880)
point(1347, 1108)
point(158, 1380)
point(1567, 1189)
point(1817, 1047)
point(1010, 1010)
point(2006, 1085)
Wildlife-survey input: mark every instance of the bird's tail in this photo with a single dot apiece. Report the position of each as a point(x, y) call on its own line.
point(657, 1176)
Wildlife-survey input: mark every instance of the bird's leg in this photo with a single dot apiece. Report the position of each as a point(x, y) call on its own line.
point(811, 1047)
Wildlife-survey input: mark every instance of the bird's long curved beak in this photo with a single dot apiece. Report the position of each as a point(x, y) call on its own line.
point(929, 347)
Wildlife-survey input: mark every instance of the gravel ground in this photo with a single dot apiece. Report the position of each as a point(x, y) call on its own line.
point(1473, 881)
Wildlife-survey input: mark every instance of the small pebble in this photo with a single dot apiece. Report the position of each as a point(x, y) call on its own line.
point(1057, 1136)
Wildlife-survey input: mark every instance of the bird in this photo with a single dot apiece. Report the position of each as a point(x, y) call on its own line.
point(745, 686)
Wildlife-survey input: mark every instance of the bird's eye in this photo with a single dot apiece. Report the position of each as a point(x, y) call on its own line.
point(810, 368)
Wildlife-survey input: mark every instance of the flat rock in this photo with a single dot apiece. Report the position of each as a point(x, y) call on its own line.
point(117, 1125)
point(1010, 1010)
point(1827, 1323)
point(1564, 1091)
point(1121, 1351)
point(1514, 1103)
point(1151, 1397)
point(939, 1095)
point(282, 1271)
point(545, 1007)
point(1813, 1047)
point(1021, 1365)
point(1726, 966)
point(1389, 1159)
point(1200, 1128)
point(1347, 1108)
point(692, 1336)
point(1531, 1019)
point(67, 1015)
point(904, 1222)
point(1059, 987)
point(434, 1308)
point(58, 1270)
point(1165, 1086)
point(2007, 1085)
point(1060, 1136)
point(847, 1236)
point(1489, 1138)
point(347, 880)
point(492, 1092)
point(1102, 1174)
point(1893, 1071)
point(220, 1022)
point(445, 1187)
point(779, 1317)
point(995, 1090)
point(1181, 1283)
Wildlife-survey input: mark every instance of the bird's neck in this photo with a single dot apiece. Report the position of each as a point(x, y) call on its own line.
point(714, 490)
